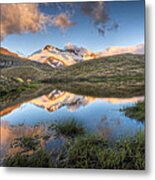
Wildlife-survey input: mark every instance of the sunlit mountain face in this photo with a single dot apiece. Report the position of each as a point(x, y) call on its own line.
point(71, 54)
point(5, 51)
point(57, 58)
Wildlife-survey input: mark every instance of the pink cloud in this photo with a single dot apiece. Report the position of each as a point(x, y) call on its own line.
point(62, 21)
point(137, 49)
point(24, 18)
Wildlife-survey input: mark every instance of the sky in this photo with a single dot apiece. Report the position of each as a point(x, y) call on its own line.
point(25, 28)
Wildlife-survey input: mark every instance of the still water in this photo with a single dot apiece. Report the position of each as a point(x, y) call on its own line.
point(98, 115)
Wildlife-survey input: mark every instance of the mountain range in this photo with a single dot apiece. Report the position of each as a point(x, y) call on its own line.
point(71, 54)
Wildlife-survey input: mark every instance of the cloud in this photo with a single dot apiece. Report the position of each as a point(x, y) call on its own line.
point(96, 11)
point(62, 21)
point(21, 18)
point(137, 49)
point(70, 46)
point(24, 18)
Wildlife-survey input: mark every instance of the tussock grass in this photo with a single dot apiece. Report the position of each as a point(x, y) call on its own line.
point(136, 112)
point(94, 152)
point(39, 158)
point(120, 67)
point(70, 128)
point(117, 76)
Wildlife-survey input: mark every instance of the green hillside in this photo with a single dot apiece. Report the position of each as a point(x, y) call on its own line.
point(18, 74)
point(115, 76)
point(121, 75)
point(7, 61)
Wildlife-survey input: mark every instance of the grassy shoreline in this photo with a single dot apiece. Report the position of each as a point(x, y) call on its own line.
point(136, 112)
point(80, 150)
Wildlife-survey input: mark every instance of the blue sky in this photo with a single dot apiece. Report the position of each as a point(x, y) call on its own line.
point(129, 15)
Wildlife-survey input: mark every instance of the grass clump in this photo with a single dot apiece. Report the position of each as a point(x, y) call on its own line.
point(30, 153)
point(136, 112)
point(26, 143)
point(70, 128)
point(94, 152)
point(38, 159)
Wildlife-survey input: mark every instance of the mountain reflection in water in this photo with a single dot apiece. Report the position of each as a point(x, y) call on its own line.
point(98, 115)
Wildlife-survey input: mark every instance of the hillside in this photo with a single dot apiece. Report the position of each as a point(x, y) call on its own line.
point(118, 75)
point(13, 61)
point(5, 51)
point(122, 66)
point(17, 73)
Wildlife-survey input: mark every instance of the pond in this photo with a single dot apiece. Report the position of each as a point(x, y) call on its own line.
point(98, 115)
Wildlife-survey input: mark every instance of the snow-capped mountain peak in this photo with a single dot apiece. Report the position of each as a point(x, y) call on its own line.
point(57, 58)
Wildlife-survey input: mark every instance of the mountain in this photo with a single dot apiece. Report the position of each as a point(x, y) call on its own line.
point(10, 59)
point(58, 58)
point(5, 51)
point(71, 54)
point(115, 50)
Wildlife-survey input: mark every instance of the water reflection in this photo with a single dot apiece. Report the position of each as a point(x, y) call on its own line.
point(98, 115)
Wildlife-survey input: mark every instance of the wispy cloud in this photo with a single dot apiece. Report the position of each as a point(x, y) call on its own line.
point(96, 11)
